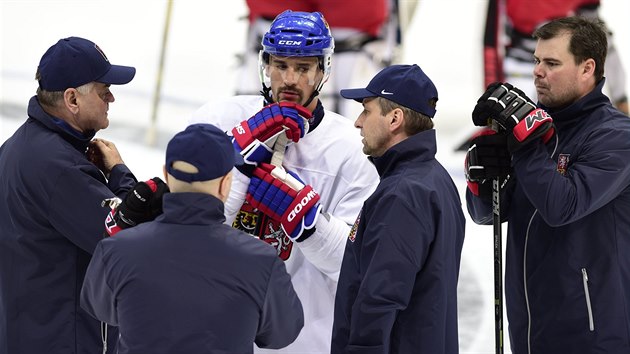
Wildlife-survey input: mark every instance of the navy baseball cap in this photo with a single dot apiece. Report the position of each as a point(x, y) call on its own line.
point(74, 61)
point(406, 85)
point(204, 146)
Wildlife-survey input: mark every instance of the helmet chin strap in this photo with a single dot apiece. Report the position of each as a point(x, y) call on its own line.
point(311, 98)
point(266, 93)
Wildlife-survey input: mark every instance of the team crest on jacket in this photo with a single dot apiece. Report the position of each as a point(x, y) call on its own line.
point(353, 231)
point(563, 163)
point(255, 223)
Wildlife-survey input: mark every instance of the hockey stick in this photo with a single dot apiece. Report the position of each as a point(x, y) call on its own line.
point(276, 160)
point(151, 134)
point(278, 150)
point(498, 260)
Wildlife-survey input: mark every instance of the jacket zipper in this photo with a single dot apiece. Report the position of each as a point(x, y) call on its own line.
point(529, 315)
point(591, 324)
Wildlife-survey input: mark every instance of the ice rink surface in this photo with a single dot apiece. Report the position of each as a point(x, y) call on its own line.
point(205, 37)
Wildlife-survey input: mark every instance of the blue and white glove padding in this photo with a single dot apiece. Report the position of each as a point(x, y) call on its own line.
point(254, 137)
point(515, 113)
point(283, 197)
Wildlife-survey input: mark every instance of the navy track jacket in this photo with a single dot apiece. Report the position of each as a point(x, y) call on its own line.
point(51, 219)
point(567, 280)
point(188, 283)
point(397, 289)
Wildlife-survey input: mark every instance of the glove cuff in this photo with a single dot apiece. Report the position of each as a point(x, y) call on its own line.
point(111, 227)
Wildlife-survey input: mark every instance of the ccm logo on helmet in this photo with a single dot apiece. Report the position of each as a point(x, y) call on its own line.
point(286, 42)
point(307, 198)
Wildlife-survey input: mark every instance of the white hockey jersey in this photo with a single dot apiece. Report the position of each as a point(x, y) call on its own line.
point(330, 159)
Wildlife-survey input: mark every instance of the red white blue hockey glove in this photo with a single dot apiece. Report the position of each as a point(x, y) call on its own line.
point(143, 203)
point(515, 113)
point(283, 197)
point(254, 137)
point(488, 157)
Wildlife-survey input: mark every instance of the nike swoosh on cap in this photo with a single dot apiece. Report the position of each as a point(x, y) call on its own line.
point(383, 92)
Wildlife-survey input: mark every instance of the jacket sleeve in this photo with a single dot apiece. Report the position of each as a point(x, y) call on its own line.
point(236, 197)
point(282, 317)
point(598, 174)
point(481, 210)
point(76, 197)
point(395, 245)
point(97, 298)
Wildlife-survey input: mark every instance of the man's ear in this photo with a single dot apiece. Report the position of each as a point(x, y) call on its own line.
point(165, 173)
point(70, 100)
point(396, 119)
point(589, 67)
point(225, 186)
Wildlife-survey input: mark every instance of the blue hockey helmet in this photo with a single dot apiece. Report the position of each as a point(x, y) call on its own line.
point(302, 34)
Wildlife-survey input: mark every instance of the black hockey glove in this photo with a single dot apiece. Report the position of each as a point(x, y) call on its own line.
point(143, 203)
point(515, 113)
point(488, 157)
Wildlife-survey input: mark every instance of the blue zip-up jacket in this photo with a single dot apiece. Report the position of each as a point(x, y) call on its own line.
point(188, 283)
point(567, 280)
point(397, 290)
point(51, 219)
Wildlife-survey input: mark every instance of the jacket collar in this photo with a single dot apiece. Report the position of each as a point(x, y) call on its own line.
point(77, 139)
point(419, 147)
point(579, 108)
point(191, 209)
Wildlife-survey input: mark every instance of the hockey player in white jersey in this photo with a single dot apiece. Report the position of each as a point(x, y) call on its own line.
point(324, 154)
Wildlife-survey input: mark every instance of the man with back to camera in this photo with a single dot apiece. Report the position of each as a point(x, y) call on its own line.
point(567, 199)
point(55, 175)
point(186, 282)
point(324, 156)
point(397, 289)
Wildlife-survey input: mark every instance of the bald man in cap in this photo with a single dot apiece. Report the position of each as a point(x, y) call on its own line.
point(186, 282)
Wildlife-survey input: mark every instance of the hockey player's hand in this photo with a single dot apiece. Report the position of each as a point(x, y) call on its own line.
point(282, 196)
point(515, 113)
point(143, 203)
point(487, 158)
point(254, 137)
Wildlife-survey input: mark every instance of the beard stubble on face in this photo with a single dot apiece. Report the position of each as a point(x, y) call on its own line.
point(558, 98)
point(291, 94)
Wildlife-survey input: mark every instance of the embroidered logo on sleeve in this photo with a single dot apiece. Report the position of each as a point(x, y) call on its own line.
point(563, 163)
point(353, 231)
